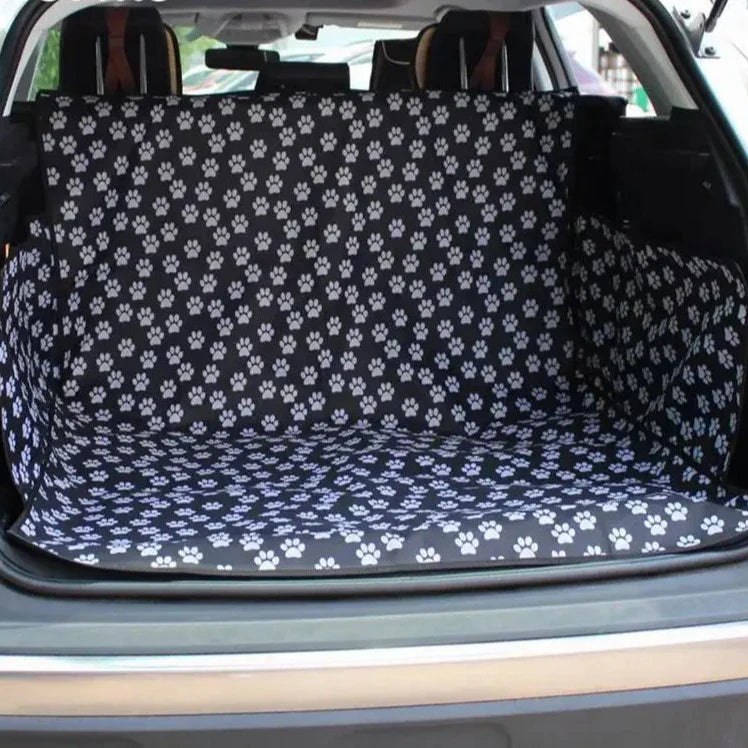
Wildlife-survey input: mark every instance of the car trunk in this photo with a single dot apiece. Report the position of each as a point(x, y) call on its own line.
point(297, 335)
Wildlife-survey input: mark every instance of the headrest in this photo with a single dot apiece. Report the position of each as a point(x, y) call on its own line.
point(476, 50)
point(391, 65)
point(118, 51)
point(239, 57)
point(323, 77)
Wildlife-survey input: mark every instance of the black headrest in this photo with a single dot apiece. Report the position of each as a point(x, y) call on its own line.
point(465, 35)
point(323, 77)
point(238, 57)
point(391, 64)
point(150, 49)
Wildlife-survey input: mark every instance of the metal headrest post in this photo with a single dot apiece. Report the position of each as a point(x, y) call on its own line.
point(463, 66)
point(99, 67)
point(143, 67)
point(504, 69)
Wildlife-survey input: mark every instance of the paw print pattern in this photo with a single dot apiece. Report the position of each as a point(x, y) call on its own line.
point(331, 334)
point(371, 207)
point(675, 385)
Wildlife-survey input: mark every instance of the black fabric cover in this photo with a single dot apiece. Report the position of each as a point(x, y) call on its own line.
point(312, 259)
point(303, 334)
point(667, 345)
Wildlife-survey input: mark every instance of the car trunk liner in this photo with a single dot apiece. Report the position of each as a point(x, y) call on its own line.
point(306, 335)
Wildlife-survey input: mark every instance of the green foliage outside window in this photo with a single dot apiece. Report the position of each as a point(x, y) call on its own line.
point(48, 70)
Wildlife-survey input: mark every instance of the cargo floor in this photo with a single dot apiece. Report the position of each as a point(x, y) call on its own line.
point(356, 500)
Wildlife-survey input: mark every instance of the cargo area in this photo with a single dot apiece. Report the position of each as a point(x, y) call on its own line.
point(312, 333)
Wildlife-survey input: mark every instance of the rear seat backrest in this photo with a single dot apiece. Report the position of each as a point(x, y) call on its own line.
point(391, 65)
point(151, 53)
point(282, 261)
point(449, 52)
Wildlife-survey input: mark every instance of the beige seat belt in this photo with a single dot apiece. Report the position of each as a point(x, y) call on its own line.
point(119, 75)
point(484, 73)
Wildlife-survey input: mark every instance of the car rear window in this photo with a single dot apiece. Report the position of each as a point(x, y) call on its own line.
point(353, 46)
point(8, 11)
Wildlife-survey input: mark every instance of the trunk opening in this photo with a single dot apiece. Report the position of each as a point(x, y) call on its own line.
point(480, 332)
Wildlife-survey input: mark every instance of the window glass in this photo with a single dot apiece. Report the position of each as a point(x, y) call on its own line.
point(8, 11)
point(334, 44)
point(596, 63)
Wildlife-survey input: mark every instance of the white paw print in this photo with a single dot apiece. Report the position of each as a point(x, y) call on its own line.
point(676, 511)
point(526, 547)
point(250, 542)
point(163, 562)
point(220, 540)
point(688, 541)
point(428, 556)
point(655, 524)
point(149, 549)
point(545, 516)
point(637, 506)
point(585, 520)
point(87, 558)
point(564, 533)
point(119, 545)
point(467, 543)
point(593, 550)
point(620, 538)
point(713, 525)
point(326, 564)
point(190, 555)
point(392, 542)
point(293, 548)
point(368, 554)
point(652, 546)
point(491, 529)
point(267, 561)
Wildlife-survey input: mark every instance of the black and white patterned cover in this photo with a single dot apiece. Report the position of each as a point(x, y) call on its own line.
point(326, 335)
point(289, 260)
point(28, 357)
point(663, 338)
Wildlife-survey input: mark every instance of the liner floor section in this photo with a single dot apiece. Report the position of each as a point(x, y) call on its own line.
point(357, 500)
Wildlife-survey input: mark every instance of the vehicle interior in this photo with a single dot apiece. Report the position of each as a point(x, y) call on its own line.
point(417, 303)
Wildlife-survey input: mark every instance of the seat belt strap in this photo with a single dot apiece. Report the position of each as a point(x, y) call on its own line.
point(119, 75)
point(484, 73)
